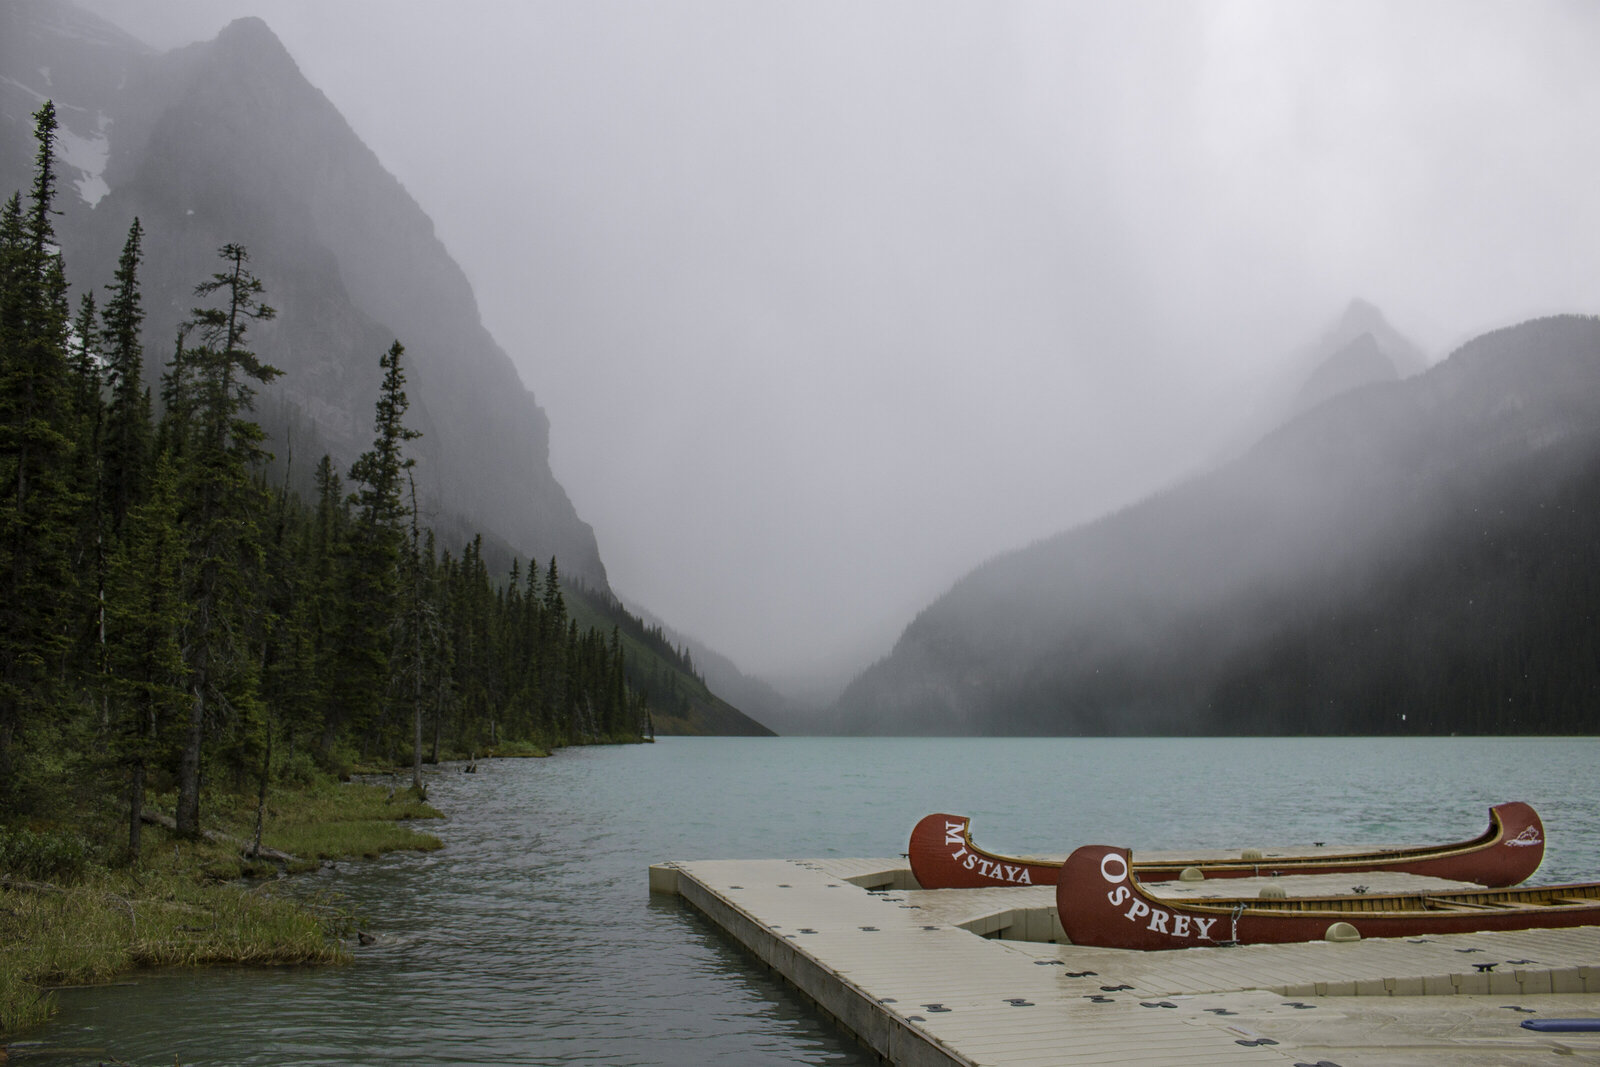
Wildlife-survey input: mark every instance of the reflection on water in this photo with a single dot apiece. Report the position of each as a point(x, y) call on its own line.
point(531, 938)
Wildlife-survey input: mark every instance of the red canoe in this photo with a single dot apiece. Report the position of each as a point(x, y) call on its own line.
point(1102, 904)
point(943, 856)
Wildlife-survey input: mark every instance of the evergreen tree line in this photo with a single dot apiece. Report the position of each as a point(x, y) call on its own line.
point(651, 635)
point(169, 620)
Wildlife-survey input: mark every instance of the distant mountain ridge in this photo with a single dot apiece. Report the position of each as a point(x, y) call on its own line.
point(1408, 556)
point(225, 141)
point(1358, 348)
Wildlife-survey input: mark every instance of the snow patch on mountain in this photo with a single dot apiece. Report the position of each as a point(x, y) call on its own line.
point(88, 156)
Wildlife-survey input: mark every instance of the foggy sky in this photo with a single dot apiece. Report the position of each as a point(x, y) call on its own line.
point(829, 302)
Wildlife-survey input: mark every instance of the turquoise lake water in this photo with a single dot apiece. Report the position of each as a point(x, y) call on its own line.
point(532, 939)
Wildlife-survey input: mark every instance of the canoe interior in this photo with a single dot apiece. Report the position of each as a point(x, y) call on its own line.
point(1553, 897)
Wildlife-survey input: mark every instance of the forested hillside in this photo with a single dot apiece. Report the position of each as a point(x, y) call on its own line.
point(173, 621)
point(1416, 556)
point(667, 677)
point(227, 141)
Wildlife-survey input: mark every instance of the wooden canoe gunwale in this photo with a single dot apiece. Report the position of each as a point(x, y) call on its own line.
point(943, 855)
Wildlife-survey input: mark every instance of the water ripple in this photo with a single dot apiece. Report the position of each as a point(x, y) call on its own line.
point(531, 939)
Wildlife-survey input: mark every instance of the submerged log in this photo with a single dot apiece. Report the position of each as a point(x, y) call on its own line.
point(217, 837)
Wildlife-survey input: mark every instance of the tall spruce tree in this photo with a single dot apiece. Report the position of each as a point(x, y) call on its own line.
point(127, 434)
point(37, 496)
point(377, 543)
point(329, 538)
point(90, 558)
point(149, 615)
point(223, 506)
point(421, 627)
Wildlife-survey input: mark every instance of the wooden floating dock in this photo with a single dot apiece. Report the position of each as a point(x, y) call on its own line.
point(979, 976)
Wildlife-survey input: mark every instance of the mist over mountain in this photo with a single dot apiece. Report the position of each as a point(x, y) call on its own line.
point(226, 141)
point(1411, 555)
point(772, 705)
point(1358, 348)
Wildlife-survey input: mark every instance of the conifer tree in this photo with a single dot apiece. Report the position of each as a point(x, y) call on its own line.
point(177, 398)
point(325, 591)
point(84, 364)
point(377, 542)
point(553, 635)
point(37, 505)
point(150, 614)
point(127, 436)
point(223, 505)
point(421, 626)
point(89, 556)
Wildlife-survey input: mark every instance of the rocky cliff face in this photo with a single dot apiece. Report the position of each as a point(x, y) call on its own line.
point(225, 141)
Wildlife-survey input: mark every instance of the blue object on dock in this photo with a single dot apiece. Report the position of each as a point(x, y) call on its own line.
point(1562, 1025)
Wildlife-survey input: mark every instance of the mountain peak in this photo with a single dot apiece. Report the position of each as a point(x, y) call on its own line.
point(1364, 318)
point(249, 28)
point(1359, 317)
point(250, 39)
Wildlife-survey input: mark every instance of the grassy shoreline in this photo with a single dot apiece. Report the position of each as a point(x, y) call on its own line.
point(188, 903)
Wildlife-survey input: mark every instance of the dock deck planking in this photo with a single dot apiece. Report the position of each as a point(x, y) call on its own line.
point(869, 961)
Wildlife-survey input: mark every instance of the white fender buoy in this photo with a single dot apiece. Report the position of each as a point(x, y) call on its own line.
point(1342, 931)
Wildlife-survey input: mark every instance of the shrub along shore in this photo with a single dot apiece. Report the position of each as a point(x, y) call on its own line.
point(71, 917)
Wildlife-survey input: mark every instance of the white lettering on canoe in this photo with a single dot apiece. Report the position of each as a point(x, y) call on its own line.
point(1000, 872)
point(1114, 869)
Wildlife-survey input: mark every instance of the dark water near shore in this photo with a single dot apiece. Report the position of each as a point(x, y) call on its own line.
point(531, 938)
